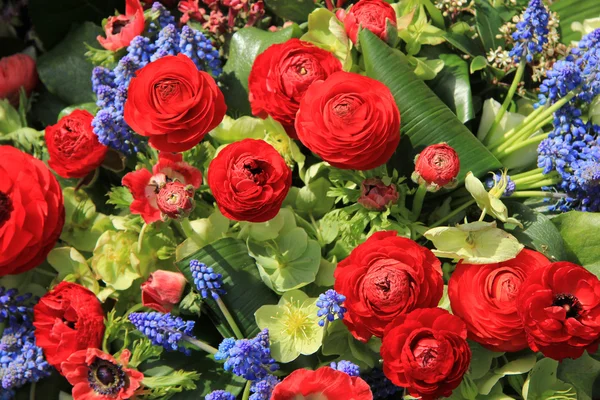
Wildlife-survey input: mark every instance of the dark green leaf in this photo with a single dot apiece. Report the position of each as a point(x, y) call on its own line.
point(46, 108)
point(245, 290)
point(90, 107)
point(488, 24)
point(294, 10)
point(65, 71)
point(53, 19)
point(464, 43)
point(453, 86)
point(246, 44)
point(478, 63)
point(570, 11)
point(579, 231)
point(538, 231)
point(581, 373)
point(425, 118)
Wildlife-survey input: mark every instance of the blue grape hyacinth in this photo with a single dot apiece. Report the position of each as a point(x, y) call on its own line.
point(207, 281)
point(347, 367)
point(164, 330)
point(532, 32)
point(219, 395)
point(330, 306)
point(261, 390)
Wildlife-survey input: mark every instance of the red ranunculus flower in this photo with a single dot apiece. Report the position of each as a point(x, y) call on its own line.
point(121, 29)
point(173, 103)
point(73, 146)
point(67, 319)
point(17, 71)
point(376, 195)
point(349, 120)
point(163, 290)
point(281, 75)
point(32, 214)
point(249, 180)
point(437, 165)
point(324, 384)
point(96, 375)
point(145, 185)
point(485, 296)
point(560, 309)
point(384, 277)
point(368, 14)
point(426, 351)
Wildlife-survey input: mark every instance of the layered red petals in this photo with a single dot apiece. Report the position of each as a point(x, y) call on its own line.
point(121, 29)
point(426, 352)
point(162, 290)
point(485, 297)
point(281, 75)
point(173, 103)
point(437, 164)
point(349, 120)
point(560, 309)
point(17, 71)
point(67, 319)
point(32, 214)
point(73, 147)
point(373, 15)
point(325, 383)
point(383, 278)
point(249, 180)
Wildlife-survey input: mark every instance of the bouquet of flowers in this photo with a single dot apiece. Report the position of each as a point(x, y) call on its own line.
point(274, 199)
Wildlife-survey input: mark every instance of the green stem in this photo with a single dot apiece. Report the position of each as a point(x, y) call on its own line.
point(317, 230)
point(508, 133)
point(32, 391)
point(533, 178)
point(449, 216)
point(141, 237)
point(189, 232)
point(517, 177)
point(42, 271)
point(418, 201)
point(509, 96)
point(246, 394)
point(201, 345)
point(532, 140)
point(535, 193)
point(236, 330)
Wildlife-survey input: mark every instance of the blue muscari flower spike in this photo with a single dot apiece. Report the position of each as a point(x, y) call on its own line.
point(13, 306)
point(532, 32)
point(510, 184)
point(330, 306)
point(207, 281)
point(381, 386)
point(163, 19)
point(164, 330)
point(219, 395)
point(347, 367)
point(564, 77)
point(200, 50)
point(261, 390)
point(249, 358)
point(167, 43)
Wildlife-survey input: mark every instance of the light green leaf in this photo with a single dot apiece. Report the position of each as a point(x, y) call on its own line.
point(478, 63)
point(83, 225)
point(312, 199)
point(325, 274)
point(426, 69)
point(542, 383)
point(232, 130)
point(10, 120)
point(572, 11)
point(489, 202)
point(67, 261)
point(340, 342)
point(581, 373)
point(579, 231)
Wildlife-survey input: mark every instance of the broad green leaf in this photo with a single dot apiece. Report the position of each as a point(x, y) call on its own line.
point(581, 373)
point(464, 43)
point(426, 69)
point(488, 24)
point(570, 11)
point(478, 63)
point(579, 231)
point(83, 225)
point(65, 71)
point(10, 120)
point(294, 10)
point(245, 45)
point(327, 32)
point(245, 290)
point(481, 360)
point(90, 107)
point(232, 130)
point(340, 342)
point(542, 383)
point(426, 119)
point(73, 267)
point(519, 366)
point(538, 231)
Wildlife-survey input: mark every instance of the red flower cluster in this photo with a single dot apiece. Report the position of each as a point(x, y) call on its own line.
point(281, 75)
point(67, 319)
point(17, 71)
point(325, 384)
point(249, 180)
point(173, 103)
point(73, 147)
point(121, 29)
point(383, 278)
point(373, 15)
point(32, 214)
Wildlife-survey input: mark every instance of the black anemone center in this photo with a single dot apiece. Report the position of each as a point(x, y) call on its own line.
point(118, 26)
point(6, 208)
point(570, 303)
point(253, 168)
point(105, 377)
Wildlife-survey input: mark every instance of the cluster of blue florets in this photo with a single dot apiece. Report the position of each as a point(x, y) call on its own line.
point(164, 330)
point(110, 85)
point(219, 395)
point(532, 32)
point(572, 147)
point(206, 280)
point(249, 358)
point(330, 306)
point(21, 361)
point(261, 390)
point(346, 367)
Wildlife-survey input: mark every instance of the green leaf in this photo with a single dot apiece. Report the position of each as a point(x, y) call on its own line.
point(53, 19)
point(488, 24)
point(425, 118)
point(91, 107)
point(294, 10)
point(83, 225)
point(538, 231)
point(464, 43)
point(121, 197)
point(481, 360)
point(65, 71)
point(542, 383)
point(245, 45)
point(339, 341)
point(327, 32)
point(245, 290)
point(570, 11)
point(579, 231)
point(581, 373)
point(478, 63)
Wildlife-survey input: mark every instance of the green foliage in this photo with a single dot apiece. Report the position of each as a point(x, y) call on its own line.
point(571, 11)
point(340, 342)
point(327, 32)
point(294, 10)
point(579, 231)
point(120, 197)
point(419, 33)
point(478, 63)
point(488, 23)
point(90, 107)
point(206, 230)
point(542, 383)
point(581, 373)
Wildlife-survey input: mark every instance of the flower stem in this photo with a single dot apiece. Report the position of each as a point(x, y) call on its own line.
point(201, 345)
point(541, 183)
point(509, 96)
point(517, 146)
point(246, 394)
point(236, 330)
point(418, 201)
point(450, 215)
point(189, 232)
point(535, 193)
point(141, 237)
point(534, 178)
point(32, 391)
point(517, 177)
